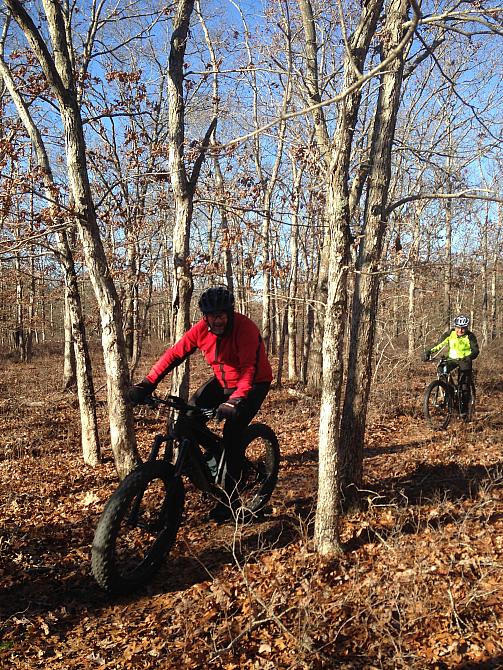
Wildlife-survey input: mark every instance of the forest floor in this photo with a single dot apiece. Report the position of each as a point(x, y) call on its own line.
point(418, 585)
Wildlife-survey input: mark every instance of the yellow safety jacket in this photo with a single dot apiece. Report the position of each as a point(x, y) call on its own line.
point(459, 347)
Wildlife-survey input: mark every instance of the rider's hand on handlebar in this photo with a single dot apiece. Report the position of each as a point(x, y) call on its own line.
point(139, 392)
point(426, 356)
point(228, 409)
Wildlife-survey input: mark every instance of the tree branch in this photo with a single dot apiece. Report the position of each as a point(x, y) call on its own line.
point(394, 53)
point(463, 195)
point(199, 160)
point(39, 47)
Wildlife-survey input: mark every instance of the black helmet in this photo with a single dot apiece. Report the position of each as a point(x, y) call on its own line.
point(216, 299)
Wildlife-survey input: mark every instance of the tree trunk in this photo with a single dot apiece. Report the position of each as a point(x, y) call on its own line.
point(60, 77)
point(83, 369)
point(315, 366)
point(266, 277)
point(69, 369)
point(227, 250)
point(182, 288)
point(19, 339)
point(367, 280)
point(183, 186)
point(122, 434)
point(327, 509)
point(337, 251)
point(494, 297)
point(484, 280)
point(182, 192)
point(293, 279)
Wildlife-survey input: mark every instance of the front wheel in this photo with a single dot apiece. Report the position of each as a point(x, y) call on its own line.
point(261, 467)
point(437, 404)
point(137, 528)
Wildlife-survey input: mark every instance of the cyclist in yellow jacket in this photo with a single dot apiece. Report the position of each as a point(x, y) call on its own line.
point(463, 349)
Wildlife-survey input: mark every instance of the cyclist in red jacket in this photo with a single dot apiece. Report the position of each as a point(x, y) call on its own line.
point(233, 346)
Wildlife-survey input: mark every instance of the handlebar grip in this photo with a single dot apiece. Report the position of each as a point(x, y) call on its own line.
point(179, 404)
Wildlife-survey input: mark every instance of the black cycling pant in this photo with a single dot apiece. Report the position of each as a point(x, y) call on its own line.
point(211, 394)
point(465, 371)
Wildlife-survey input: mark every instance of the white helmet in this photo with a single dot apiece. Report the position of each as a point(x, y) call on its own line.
point(461, 322)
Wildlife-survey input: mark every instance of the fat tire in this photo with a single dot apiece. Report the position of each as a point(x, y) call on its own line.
point(431, 390)
point(106, 568)
point(269, 468)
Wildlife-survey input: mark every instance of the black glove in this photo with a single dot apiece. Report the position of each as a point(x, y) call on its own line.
point(426, 355)
point(137, 393)
point(228, 409)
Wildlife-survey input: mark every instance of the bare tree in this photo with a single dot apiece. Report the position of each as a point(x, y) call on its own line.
point(183, 185)
point(367, 280)
point(89, 432)
point(59, 72)
point(337, 216)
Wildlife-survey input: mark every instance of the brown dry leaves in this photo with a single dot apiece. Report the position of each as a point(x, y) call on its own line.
point(418, 586)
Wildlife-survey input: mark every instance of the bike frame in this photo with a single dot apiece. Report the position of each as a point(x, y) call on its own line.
point(190, 435)
point(451, 378)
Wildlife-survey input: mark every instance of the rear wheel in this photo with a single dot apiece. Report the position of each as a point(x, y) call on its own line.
point(137, 528)
point(438, 404)
point(261, 467)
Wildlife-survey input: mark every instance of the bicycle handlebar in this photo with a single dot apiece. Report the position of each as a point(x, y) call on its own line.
point(179, 404)
point(438, 361)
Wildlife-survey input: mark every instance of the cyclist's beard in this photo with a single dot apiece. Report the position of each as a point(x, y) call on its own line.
point(227, 328)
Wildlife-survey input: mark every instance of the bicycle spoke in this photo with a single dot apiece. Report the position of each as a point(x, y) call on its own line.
point(438, 404)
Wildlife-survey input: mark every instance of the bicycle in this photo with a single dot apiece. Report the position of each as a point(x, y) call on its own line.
point(138, 526)
point(443, 397)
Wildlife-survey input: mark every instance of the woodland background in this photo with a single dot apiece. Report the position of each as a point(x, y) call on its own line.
point(339, 168)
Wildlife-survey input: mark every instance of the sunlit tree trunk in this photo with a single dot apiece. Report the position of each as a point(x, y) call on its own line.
point(485, 280)
point(183, 186)
point(367, 280)
point(327, 509)
point(19, 332)
point(69, 369)
point(83, 369)
point(494, 296)
point(294, 272)
point(59, 73)
point(337, 217)
point(311, 77)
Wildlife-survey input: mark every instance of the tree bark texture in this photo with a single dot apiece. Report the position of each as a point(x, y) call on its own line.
point(338, 220)
point(315, 364)
point(69, 370)
point(367, 280)
point(182, 189)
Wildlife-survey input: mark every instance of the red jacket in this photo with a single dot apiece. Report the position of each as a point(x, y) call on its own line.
point(238, 358)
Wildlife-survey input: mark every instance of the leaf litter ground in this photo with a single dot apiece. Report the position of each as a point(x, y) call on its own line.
point(419, 584)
